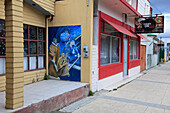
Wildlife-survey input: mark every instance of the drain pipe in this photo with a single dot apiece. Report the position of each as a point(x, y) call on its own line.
point(46, 50)
point(95, 23)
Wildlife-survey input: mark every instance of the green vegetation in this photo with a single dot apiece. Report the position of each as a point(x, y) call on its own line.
point(90, 93)
point(46, 77)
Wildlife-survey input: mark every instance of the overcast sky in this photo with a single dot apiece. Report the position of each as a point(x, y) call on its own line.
point(162, 6)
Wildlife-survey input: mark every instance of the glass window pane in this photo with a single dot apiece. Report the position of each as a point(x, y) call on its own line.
point(40, 34)
point(115, 50)
point(131, 50)
point(25, 32)
point(2, 65)
point(33, 47)
point(135, 50)
point(33, 32)
point(33, 63)
point(102, 24)
point(25, 47)
point(2, 47)
point(108, 27)
point(105, 50)
point(41, 62)
point(40, 47)
point(129, 1)
point(2, 28)
point(25, 63)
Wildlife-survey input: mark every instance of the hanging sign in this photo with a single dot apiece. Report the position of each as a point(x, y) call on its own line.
point(149, 24)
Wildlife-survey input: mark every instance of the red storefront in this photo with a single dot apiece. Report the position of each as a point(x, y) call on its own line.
point(118, 45)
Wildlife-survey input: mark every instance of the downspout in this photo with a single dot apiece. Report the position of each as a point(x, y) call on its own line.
point(47, 19)
point(95, 23)
point(95, 72)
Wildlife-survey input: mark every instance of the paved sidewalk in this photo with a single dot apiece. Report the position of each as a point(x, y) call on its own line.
point(148, 94)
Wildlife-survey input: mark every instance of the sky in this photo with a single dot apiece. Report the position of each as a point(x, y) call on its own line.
point(162, 6)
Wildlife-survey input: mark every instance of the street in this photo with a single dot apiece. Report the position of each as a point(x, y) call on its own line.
point(149, 93)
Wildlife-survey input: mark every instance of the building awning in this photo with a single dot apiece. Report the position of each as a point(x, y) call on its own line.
point(120, 28)
point(143, 37)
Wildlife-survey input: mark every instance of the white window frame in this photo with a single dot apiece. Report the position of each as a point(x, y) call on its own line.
point(134, 49)
point(111, 39)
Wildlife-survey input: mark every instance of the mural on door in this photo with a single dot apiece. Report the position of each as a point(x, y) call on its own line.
point(65, 52)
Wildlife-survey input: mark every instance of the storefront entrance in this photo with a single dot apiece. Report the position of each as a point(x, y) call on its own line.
point(125, 57)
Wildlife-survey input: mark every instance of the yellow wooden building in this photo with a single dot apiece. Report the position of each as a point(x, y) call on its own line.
point(24, 41)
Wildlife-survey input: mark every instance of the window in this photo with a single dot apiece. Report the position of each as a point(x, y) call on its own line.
point(34, 47)
point(2, 48)
point(155, 48)
point(132, 3)
point(134, 49)
point(110, 49)
point(110, 44)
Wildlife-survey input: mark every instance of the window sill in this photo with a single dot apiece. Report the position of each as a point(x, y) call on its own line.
point(34, 70)
point(134, 59)
point(111, 64)
point(25, 71)
point(2, 75)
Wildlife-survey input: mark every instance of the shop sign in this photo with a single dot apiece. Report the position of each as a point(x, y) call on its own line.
point(149, 24)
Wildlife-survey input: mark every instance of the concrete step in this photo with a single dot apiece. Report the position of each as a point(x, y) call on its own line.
point(50, 95)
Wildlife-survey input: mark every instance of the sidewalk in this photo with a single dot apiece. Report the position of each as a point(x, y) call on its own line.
point(149, 93)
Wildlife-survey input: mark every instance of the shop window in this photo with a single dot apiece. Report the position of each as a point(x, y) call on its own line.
point(132, 3)
point(110, 44)
point(34, 47)
point(110, 49)
point(155, 48)
point(2, 48)
point(134, 49)
point(108, 27)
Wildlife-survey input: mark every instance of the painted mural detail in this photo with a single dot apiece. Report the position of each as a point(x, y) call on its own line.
point(65, 52)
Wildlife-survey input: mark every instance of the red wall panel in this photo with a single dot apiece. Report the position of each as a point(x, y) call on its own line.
point(109, 70)
point(134, 63)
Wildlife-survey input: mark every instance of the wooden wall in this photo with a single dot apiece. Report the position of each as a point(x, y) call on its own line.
point(33, 17)
point(2, 9)
point(47, 5)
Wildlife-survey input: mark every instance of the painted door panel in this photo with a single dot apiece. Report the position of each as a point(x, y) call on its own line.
point(143, 58)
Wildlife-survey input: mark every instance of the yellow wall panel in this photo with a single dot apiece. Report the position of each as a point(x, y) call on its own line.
point(2, 83)
point(2, 9)
point(33, 17)
point(33, 76)
point(46, 4)
point(29, 77)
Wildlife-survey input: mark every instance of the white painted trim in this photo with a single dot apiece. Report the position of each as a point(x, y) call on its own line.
point(134, 71)
point(109, 81)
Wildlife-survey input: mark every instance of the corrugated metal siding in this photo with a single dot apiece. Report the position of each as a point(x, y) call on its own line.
point(2, 9)
point(33, 17)
point(46, 4)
